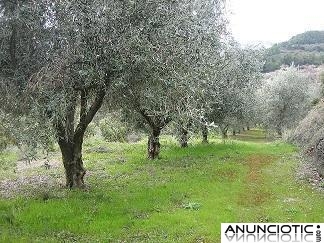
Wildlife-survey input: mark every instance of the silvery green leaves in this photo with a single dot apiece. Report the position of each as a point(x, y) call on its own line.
point(166, 55)
point(285, 98)
point(234, 81)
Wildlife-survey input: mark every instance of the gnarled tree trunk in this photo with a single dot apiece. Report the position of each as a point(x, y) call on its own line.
point(184, 134)
point(224, 130)
point(73, 164)
point(204, 132)
point(279, 131)
point(70, 137)
point(183, 137)
point(153, 144)
point(156, 123)
point(224, 134)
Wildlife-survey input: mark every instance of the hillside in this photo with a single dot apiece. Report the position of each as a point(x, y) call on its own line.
point(303, 49)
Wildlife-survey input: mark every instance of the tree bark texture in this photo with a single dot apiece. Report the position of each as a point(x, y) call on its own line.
point(224, 134)
point(70, 136)
point(156, 124)
point(153, 144)
point(183, 138)
point(73, 164)
point(184, 134)
point(204, 134)
point(224, 131)
point(279, 131)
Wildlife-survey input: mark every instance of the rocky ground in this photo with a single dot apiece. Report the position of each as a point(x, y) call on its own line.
point(307, 172)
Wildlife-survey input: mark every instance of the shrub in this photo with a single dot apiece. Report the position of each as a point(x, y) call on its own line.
point(310, 133)
point(319, 156)
point(134, 137)
point(5, 140)
point(91, 130)
point(113, 129)
point(284, 99)
point(310, 129)
point(3, 143)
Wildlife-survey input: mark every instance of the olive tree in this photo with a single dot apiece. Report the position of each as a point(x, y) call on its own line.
point(309, 135)
point(167, 60)
point(58, 61)
point(233, 88)
point(22, 29)
point(284, 99)
point(309, 132)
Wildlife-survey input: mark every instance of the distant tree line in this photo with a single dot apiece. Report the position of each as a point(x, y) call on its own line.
point(302, 49)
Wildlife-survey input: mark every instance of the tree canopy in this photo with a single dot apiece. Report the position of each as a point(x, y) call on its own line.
point(60, 59)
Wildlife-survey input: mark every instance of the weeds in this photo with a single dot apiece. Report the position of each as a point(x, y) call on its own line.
point(183, 197)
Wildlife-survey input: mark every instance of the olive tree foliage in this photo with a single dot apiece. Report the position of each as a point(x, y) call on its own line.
point(169, 55)
point(310, 129)
point(309, 135)
point(58, 59)
point(21, 32)
point(322, 83)
point(284, 99)
point(232, 91)
point(309, 132)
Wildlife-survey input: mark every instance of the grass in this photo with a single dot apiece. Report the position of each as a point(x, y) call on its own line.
point(182, 197)
point(7, 163)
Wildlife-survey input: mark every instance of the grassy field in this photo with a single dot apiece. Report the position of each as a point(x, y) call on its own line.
point(182, 197)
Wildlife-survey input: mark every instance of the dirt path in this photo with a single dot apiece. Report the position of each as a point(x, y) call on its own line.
point(255, 192)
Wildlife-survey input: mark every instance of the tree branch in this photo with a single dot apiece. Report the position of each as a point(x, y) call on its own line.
point(87, 117)
point(83, 103)
point(146, 117)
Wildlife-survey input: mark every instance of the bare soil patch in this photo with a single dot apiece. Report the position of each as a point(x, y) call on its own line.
point(255, 192)
point(32, 177)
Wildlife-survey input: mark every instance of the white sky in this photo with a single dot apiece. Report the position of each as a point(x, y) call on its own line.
point(273, 21)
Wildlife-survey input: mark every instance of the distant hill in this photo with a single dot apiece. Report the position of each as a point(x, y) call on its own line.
point(303, 49)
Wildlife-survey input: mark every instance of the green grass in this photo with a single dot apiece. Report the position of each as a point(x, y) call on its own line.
point(253, 135)
point(182, 197)
point(7, 162)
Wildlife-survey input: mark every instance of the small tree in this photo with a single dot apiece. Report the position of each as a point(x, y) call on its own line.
point(284, 99)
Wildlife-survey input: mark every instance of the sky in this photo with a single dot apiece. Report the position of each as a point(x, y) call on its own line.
point(273, 21)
